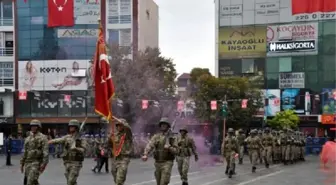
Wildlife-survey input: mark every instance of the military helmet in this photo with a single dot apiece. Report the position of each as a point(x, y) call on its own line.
point(124, 123)
point(253, 131)
point(230, 130)
point(241, 131)
point(35, 122)
point(104, 120)
point(267, 129)
point(260, 132)
point(184, 129)
point(164, 120)
point(74, 123)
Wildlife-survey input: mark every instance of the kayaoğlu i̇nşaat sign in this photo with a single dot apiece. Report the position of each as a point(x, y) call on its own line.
point(242, 42)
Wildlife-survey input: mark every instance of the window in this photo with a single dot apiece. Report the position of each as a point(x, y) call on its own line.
point(272, 65)
point(328, 45)
point(248, 66)
point(311, 63)
point(272, 80)
point(6, 74)
point(298, 64)
point(327, 62)
point(311, 78)
point(285, 64)
point(6, 10)
point(147, 14)
point(329, 27)
point(327, 77)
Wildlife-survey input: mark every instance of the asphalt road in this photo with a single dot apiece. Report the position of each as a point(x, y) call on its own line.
point(205, 172)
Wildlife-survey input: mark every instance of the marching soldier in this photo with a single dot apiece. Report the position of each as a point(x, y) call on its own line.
point(277, 148)
point(254, 145)
point(291, 140)
point(302, 146)
point(285, 146)
point(122, 148)
point(241, 138)
point(229, 150)
point(164, 152)
point(73, 152)
point(36, 154)
point(260, 135)
point(268, 143)
point(186, 146)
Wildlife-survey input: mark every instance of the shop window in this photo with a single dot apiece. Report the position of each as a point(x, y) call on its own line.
point(311, 63)
point(272, 65)
point(298, 64)
point(285, 64)
point(248, 66)
point(328, 62)
point(272, 80)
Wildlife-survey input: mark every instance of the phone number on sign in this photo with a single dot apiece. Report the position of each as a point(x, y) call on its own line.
point(315, 16)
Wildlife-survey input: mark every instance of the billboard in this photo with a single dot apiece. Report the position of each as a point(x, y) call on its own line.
point(291, 80)
point(328, 101)
point(233, 13)
point(292, 39)
point(54, 75)
point(273, 96)
point(298, 100)
point(313, 10)
point(86, 11)
point(242, 42)
point(77, 33)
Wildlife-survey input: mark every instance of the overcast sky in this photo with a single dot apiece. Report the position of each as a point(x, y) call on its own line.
point(186, 33)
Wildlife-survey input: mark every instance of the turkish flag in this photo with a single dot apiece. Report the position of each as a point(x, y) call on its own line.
point(60, 13)
point(104, 88)
point(312, 6)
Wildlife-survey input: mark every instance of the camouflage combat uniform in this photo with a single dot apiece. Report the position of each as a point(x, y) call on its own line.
point(186, 147)
point(254, 145)
point(73, 153)
point(35, 156)
point(302, 146)
point(268, 142)
point(164, 157)
point(286, 146)
point(122, 152)
point(241, 138)
point(229, 149)
point(277, 147)
point(260, 135)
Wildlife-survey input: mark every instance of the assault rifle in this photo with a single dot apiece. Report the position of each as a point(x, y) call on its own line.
point(170, 134)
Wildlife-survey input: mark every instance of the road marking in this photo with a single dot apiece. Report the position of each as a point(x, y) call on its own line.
point(195, 178)
point(173, 176)
point(218, 180)
point(261, 177)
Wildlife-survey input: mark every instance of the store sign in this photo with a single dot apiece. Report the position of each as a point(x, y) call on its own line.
point(86, 11)
point(234, 13)
point(291, 80)
point(78, 102)
point(294, 99)
point(313, 10)
point(328, 119)
point(299, 31)
point(77, 33)
point(242, 42)
point(292, 46)
point(54, 75)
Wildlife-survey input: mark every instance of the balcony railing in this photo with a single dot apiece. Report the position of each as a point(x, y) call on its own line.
point(6, 52)
point(6, 22)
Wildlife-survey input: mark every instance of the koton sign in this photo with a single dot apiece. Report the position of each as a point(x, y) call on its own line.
point(305, 31)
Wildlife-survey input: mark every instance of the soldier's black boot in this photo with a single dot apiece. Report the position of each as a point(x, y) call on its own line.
point(285, 162)
point(254, 169)
point(267, 165)
point(240, 161)
point(234, 169)
point(227, 170)
point(184, 183)
point(230, 173)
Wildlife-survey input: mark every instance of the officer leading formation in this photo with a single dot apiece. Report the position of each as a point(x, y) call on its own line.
point(262, 146)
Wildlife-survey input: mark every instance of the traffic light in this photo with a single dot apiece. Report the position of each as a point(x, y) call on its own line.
point(225, 109)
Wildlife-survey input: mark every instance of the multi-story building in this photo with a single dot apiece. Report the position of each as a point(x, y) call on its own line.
point(53, 80)
point(290, 44)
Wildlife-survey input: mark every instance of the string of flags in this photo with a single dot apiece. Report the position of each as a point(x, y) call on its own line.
point(86, 1)
point(23, 95)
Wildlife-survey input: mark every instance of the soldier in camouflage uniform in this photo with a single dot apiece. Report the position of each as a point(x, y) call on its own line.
point(260, 157)
point(285, 146)
point(73, 152)
point(254, 145)
point(268, 142)
point(36, 154)
point(302, 146)
point(241, 138)
point(186, 147)
point(276, 148)
point(292, 146)
point(122, 151)
point(164, 152)
point(230, 148)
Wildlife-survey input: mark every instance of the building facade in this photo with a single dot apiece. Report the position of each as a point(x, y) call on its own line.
point(288, 43)
point(48, 73)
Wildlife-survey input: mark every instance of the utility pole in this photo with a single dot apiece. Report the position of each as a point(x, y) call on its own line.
point(225, 105)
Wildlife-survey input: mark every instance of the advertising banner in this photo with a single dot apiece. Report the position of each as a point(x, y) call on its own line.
point(273, 96)
point(295, 99)
point(54, 75)
point(242, 42)
point(77, 33)
point(52, 103)
point(313, 10)
point(291, 80)
point(87, 12)
point(328, 101)
point(233, 13)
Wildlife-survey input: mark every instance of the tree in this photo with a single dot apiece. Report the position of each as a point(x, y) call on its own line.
point(148, 76)
point(236, 89)
point(285, 119)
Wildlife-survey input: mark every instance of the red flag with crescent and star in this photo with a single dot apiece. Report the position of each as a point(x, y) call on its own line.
point(60, 13)
point(104, 87)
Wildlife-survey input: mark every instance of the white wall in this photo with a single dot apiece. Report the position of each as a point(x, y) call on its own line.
point(8, 104)
point(148, 35)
